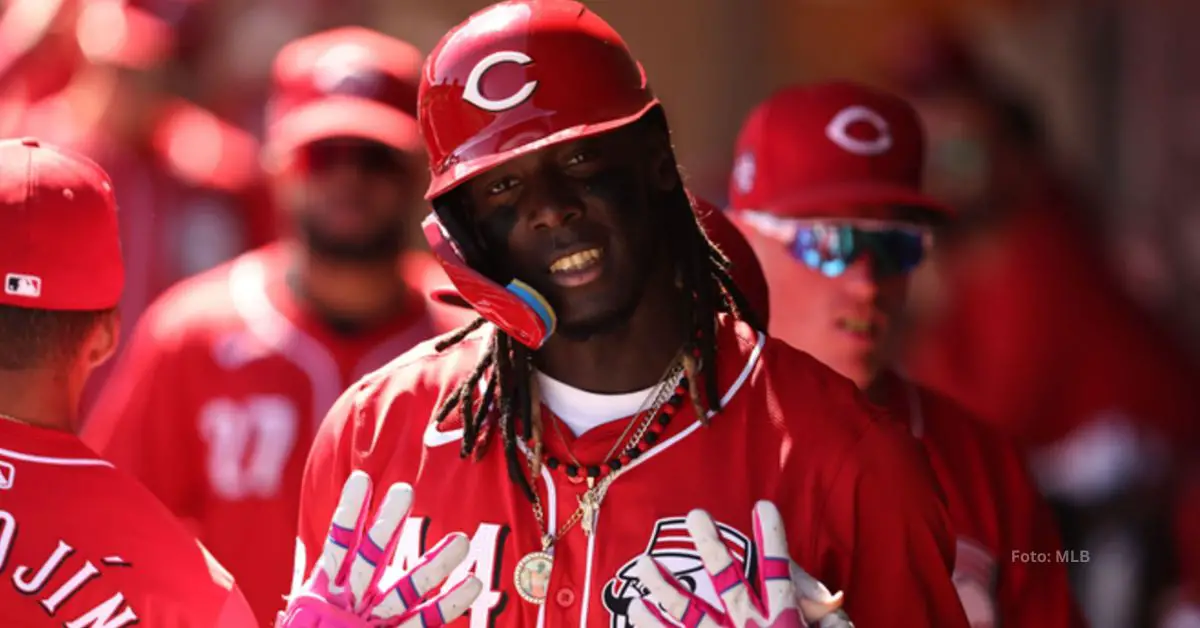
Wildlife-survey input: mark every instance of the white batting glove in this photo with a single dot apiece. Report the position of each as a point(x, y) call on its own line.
point(348, 594)
point(791, 598)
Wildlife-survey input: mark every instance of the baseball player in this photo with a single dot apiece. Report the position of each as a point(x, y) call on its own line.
point(827, 184)
point(81, 543)
point(609, 388)
point(230, 372)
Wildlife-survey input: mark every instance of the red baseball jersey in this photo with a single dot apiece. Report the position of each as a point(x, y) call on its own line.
point(1010, 567)
point(858, 497)
point(83, 544)
point(218, 398)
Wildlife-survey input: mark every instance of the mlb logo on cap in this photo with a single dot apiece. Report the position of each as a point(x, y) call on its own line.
point(23, 285)
point(60, 248)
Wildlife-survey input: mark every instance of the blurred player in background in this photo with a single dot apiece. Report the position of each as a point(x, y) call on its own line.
point(188, 183)
point(1020, 318)
point(229, 374)
point(826, 183)
point(81, 543)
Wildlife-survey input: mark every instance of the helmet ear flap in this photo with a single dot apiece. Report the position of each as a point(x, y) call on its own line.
point(452, 212)
point(513, 306)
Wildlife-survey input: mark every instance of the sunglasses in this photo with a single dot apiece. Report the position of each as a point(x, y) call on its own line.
point(369, 157)
point(830, 246)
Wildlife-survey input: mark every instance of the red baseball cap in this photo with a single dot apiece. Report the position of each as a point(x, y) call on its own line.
point(346, 82)
point(125, 33)
point(828, 150)
point(61, 244)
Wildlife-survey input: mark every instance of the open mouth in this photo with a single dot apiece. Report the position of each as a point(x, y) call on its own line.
point(578, 268)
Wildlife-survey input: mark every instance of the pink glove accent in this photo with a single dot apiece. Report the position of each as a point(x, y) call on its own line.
point(344, 589)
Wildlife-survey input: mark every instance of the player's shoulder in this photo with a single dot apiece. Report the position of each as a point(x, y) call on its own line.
point(813, 398)
point(945, 420)
point(207, 303)
point(784, 395)
point(417, 380)
point(977, 449)
point(436, 361)
point(145, 550)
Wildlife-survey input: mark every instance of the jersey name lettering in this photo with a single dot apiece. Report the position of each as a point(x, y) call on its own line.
point(56, 580)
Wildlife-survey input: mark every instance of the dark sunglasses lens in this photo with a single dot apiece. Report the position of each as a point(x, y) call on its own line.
point(895, 251)
point(826, 249)
point(831, 249)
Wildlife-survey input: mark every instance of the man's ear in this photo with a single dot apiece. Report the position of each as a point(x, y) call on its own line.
point(102, 342)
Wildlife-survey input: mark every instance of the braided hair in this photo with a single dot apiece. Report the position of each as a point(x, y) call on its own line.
point(505, 366)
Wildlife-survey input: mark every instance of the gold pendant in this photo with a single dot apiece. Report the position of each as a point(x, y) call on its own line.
point(532, 576)
point(588, 505)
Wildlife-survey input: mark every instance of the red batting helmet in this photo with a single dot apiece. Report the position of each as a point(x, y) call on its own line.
point(519, 76)
point(514, 78)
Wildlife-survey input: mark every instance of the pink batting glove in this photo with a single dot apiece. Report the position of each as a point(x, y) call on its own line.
point(790, 597)
point(349, 594)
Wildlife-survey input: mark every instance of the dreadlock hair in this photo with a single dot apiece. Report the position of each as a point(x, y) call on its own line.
point(506, 364)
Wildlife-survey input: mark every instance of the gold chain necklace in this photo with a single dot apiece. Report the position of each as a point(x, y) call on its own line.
point(642, 418)
point(532, 574)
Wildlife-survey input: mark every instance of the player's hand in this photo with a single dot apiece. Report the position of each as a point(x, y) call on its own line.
point(819, 607)
point(790, 597)
point(344, 589)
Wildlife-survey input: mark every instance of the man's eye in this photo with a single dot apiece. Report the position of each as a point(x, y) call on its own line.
point(502, 186)
point(580, 157)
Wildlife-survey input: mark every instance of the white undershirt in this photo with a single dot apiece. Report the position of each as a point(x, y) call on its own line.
point(581, 410)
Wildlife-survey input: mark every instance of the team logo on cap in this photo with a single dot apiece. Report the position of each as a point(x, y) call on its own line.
point(743, 172)
point(878, 143)
point(23, 285)
point(347, 69)
point(672, 546)
point(473, 95)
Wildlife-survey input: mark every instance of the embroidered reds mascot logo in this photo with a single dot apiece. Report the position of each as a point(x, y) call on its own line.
point(473, 93)
point(672, 547)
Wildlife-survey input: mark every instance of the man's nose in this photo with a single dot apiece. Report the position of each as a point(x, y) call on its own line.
point(554, 204)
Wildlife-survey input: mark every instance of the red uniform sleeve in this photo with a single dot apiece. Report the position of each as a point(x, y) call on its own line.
point(886, 538)
point(325, 472)
point(236, 612)
point(144, 427)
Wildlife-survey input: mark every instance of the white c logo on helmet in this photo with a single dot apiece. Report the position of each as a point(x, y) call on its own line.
point(475, 97)
point(838, 131)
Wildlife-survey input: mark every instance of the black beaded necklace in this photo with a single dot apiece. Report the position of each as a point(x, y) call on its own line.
point(638, 445)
